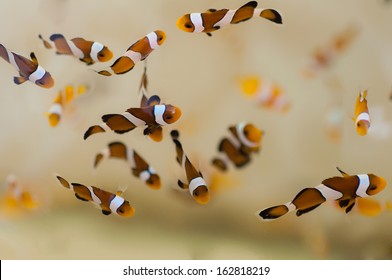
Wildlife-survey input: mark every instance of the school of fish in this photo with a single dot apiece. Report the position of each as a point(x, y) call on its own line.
point(243, 140)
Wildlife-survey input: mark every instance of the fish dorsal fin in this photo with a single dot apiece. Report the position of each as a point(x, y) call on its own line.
point(344, 174)
point(250, 4)
point(153, 100)
point(34, 58)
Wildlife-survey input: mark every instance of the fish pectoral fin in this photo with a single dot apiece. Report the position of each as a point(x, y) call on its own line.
point(209, 34)
point(135, 172)
point(80, 198)
point(19, 80)
point(182, 185)
point(106, 212)
point(148, 130)
point(344, 174)
point(34, 58)
point(304, 211)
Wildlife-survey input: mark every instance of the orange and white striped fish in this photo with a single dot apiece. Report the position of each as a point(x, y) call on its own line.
point(195, 182)
point(267, 94)
point(362, 117)
point(18, 196)
point(152, 116)
point(88, 52)
point(56, 110)
point(244, 139)
point(325, 56)
point(140, 168)
point(29, 70)
point(136, 52)
point(107, 201)
point(213, 19)
point(344, 190)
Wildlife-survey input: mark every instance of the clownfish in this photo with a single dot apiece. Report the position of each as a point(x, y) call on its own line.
point(324, 57)
point(17, 196)
point(268, 95)
point(213, 19)
point(140, 168)
point(196, 184)
point(107, 201)
point(344, 190)
point(88, 52)
point(362, 117)
point(55, 111)
point(152, 116)
point(136, 52)
point(244, 139)
point(29, 70)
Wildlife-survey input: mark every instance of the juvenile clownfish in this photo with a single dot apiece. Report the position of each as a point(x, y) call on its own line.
point(244, 139)
point(136, 52)
point(344, 190)
point(17, 196)
point(196, 184)
point(107, 201)
point(324, 57)
point(362, 117)
point(269, 95)
point(140, 168)
point(213, 19)
point(56, 110)
point(88, 52)
point(29, 70)
point(152, 116)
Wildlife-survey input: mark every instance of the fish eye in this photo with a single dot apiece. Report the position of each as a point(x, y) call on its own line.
point(121, 210)
point(101, 55)
point(160, 38)
point(169, 117)
point(188, 25)
point(40, 82)
point(372, 188)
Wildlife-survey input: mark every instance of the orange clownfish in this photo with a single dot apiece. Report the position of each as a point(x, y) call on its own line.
point(18, 196)
point(362, 117)
point(152, 116)
point(244, 139)
point(213, 19)
point(269, 95)
point(88, 52)
point(140, 168)
point(137, 52)
point(196, 183)
point(344, 190)
point(324, 57)
point(56, 110)
point(107, 201)
point(29, 70)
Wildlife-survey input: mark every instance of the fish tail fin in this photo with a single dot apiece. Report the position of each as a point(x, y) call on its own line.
point(363, 95)
point(47, 44)
point(275, 211)
point(63, 182)
point(93, 130)
point(272, 15)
